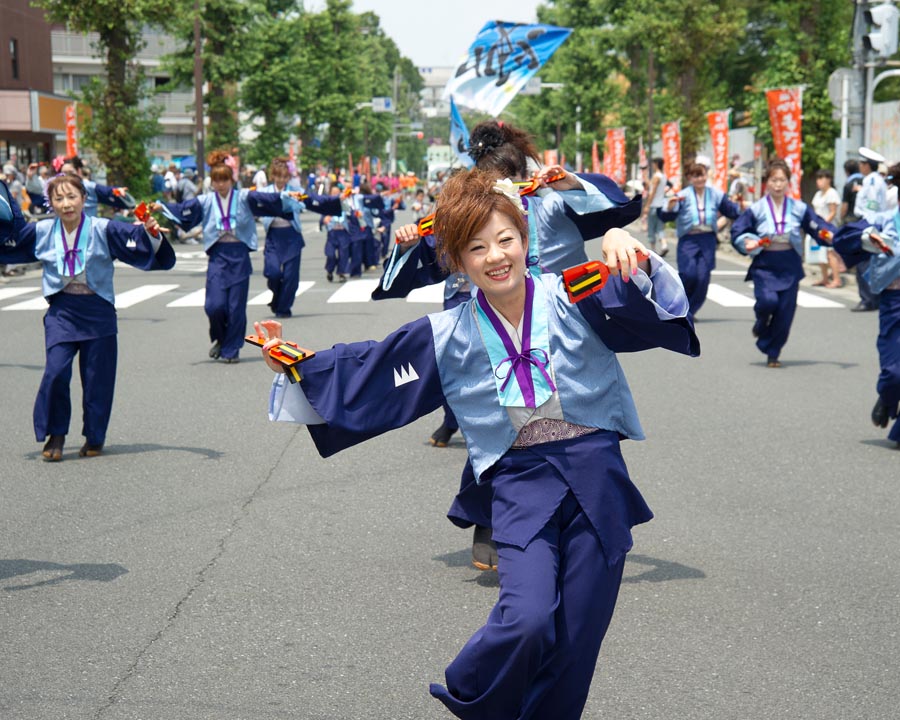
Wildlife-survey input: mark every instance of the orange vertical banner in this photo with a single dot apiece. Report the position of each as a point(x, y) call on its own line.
point(786, 116)
point(71, 131)
point(671, 142)
point(595, 158)
point(718, 131)
point(551, 157)
point(614, 157)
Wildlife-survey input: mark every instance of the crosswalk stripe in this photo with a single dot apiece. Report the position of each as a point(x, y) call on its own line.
point(37, 303)
point(141, 293)
point(16, 291)
point(192, 299)
point(811, 300)
point(427, 294)
point(355, 291)
point(264, 298)
point(728, 298)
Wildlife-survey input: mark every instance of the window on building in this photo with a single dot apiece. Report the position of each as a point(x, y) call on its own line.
point(14, 57)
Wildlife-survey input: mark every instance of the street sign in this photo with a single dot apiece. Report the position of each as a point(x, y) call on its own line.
point(382, 104)
point(836, 85)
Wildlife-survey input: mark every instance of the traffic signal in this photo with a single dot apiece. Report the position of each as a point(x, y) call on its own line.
point(882, 40)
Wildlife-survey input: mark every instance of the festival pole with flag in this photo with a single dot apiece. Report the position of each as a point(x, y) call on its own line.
point(614, 158)
point(786, 116)
point(671, 143)
point(500, 62)
point(719, 120)
point(459, 136)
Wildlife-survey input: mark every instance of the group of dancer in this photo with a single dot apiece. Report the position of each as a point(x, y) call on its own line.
point(529, 376)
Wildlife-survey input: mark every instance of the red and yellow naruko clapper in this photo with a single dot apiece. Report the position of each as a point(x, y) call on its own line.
point(584, 280)
point(289, 355)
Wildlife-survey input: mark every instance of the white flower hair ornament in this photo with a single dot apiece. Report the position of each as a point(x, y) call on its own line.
point(507, 187)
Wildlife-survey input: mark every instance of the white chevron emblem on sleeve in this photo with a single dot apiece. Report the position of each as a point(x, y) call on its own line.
point(405, 374)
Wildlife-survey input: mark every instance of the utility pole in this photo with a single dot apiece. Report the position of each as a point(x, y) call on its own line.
point(651, 82)
point(394, 120)
point(198, 94)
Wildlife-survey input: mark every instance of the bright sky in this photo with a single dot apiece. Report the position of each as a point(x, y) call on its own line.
point(437, 33)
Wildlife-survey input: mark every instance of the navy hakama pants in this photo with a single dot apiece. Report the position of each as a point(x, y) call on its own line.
point(227, 288)
point(889, 355)
point(281, 267)
point(357, 243)
point(371, 249)
point(696, 261)
point(83, 324)
point(337, 252)
point(562, 514)
point(776, 279)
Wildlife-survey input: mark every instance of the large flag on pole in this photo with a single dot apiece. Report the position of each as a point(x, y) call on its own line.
point(459, 136)
point(500, 62)
point(786, 115)
point(718, 132)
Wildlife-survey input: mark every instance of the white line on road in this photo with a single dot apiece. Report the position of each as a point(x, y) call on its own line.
point(194, 299)
point(16, 291)
point(141, 293)
point(37, 303)
point(728, 298)
point(265, 297)
point(810, 300)
point(427, 294)
point(355, 291)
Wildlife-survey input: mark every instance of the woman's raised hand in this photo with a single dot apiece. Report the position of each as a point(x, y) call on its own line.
point(621, 250)
point(270, 331)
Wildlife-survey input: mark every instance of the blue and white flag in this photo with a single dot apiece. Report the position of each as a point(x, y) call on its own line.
point(459, 136)
point(500, 62)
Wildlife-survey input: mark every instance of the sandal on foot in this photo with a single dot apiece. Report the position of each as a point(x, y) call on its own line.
point(88, 450)
point(773, 363)
point(484, 550)
point(52, 451)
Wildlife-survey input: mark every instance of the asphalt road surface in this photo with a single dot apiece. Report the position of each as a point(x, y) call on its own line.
point(211, 566)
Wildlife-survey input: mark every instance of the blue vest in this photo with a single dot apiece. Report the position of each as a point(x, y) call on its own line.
point(688, 210)
point(98, 265)
point(592, 388)
point(884, 269)
point(765, 227)
point(245, 227)
point(298, 208)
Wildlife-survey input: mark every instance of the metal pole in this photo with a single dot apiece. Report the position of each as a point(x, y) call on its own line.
point(651, 80)
point(578, 167)
point(198, 94)
point(394, 121)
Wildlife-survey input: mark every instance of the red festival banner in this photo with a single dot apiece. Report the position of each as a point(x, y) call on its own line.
point(786, 116)
point(615, 152)
point(671, 142)
point(718, 131)
point(71, 131)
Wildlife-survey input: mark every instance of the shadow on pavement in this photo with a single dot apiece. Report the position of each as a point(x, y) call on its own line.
point(660, 570)
point(105, 572)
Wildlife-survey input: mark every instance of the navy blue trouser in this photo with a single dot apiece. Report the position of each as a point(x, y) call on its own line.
point(889, 356)
point(774, 316)
point(696, 260)
point(97, 368)
point(535, 657)
point(226, 308)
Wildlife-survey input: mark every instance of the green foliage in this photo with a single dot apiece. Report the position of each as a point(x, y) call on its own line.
point(121, 120)
point(707, 54)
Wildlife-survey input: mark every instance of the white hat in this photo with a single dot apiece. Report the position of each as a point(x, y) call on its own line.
point(870, 156)
point(154, 168)
point(703, 160)
point(9, 170)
